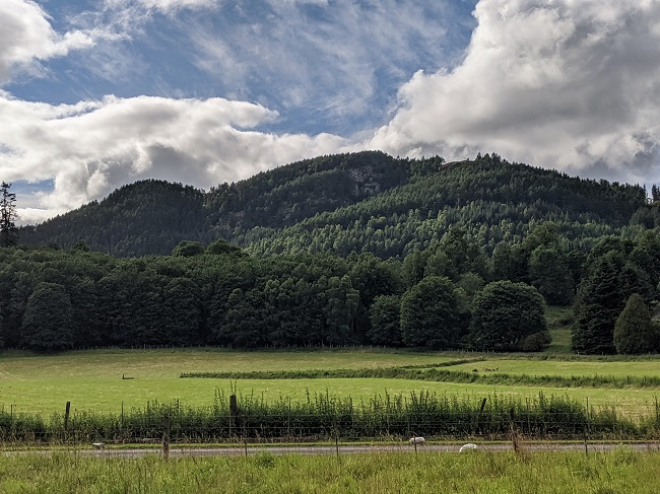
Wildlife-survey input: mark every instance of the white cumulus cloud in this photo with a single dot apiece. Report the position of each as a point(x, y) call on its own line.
point(93, 147)
point(27, 37)
point(565, 84)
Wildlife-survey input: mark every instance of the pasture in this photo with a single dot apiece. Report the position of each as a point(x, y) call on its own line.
point(93, 381)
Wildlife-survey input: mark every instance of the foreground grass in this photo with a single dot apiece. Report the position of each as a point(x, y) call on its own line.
point(620, 471)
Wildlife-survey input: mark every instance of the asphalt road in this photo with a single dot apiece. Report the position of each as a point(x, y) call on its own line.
point(177, 452)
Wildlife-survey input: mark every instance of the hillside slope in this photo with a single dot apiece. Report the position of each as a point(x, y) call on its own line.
point(361, 202)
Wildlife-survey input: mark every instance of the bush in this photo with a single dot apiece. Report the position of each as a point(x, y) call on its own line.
point(535, 342)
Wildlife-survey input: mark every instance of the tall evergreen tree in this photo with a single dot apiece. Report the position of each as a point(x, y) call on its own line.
point(634, 331)
point(600, 300)
point(655, 193)
point(8, 230)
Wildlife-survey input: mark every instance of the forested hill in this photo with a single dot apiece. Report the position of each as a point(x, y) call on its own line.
point(148, 217)
point(361, 202)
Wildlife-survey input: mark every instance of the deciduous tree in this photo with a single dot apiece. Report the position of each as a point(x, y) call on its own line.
point(385, 317)
point(429, 314)
point(505, 314)
point(47, 323)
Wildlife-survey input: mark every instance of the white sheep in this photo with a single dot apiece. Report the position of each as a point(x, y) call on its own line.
point(468, 447)
point(416, 440)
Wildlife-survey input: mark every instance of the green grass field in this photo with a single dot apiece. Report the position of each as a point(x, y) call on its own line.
point(620, 471)
point(93, 380)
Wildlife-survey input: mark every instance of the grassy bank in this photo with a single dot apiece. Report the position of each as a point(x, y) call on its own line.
point(326, 417)
point(621, 471)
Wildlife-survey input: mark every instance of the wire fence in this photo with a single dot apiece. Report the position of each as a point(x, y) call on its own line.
point(326, 418)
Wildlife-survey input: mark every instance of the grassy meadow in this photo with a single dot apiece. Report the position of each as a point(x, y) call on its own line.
point(92, 380)
point(619, 471)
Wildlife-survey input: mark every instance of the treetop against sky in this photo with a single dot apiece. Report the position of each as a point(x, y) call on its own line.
point(97, 94)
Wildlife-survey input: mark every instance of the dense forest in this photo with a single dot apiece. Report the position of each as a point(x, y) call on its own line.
point(363, 202)
point(349, 249)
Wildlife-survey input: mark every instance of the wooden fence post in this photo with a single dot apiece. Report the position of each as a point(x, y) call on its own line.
point(233, 413)
point(67, 410)
point(166, 437)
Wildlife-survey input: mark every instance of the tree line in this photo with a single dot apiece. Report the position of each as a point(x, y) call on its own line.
point(452, 295)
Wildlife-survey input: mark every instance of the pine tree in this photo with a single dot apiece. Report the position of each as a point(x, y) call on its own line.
point(634, 331)
point(8, 230)
point(600, 299)
point(655, 193)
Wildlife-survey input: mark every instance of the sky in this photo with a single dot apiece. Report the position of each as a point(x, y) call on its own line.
point(96, 94)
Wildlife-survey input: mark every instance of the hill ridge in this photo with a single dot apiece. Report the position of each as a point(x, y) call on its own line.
point(313, 205)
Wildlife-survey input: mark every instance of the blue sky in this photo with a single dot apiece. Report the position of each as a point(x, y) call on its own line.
point(97, 94)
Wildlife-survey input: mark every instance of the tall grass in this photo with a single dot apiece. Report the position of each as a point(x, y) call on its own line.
point(422, 373)
point(620, 471)
point(323, 416)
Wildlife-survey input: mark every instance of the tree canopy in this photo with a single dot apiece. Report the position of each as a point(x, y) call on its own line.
point(429, 314)
point(505, 314)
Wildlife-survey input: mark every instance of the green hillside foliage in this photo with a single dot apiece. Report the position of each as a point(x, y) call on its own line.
point(339, 250)
point(147, 217)
point(362, 202)
point(222, 296)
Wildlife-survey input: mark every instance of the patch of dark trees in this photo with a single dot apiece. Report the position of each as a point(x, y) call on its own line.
point(451, 295)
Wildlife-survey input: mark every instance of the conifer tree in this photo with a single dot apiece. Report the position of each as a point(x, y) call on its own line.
point(600, 300)
point(8, 230)
point(634, 331)
point(655, 193)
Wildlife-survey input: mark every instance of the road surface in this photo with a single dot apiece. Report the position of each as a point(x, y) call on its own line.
point(178, 451)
